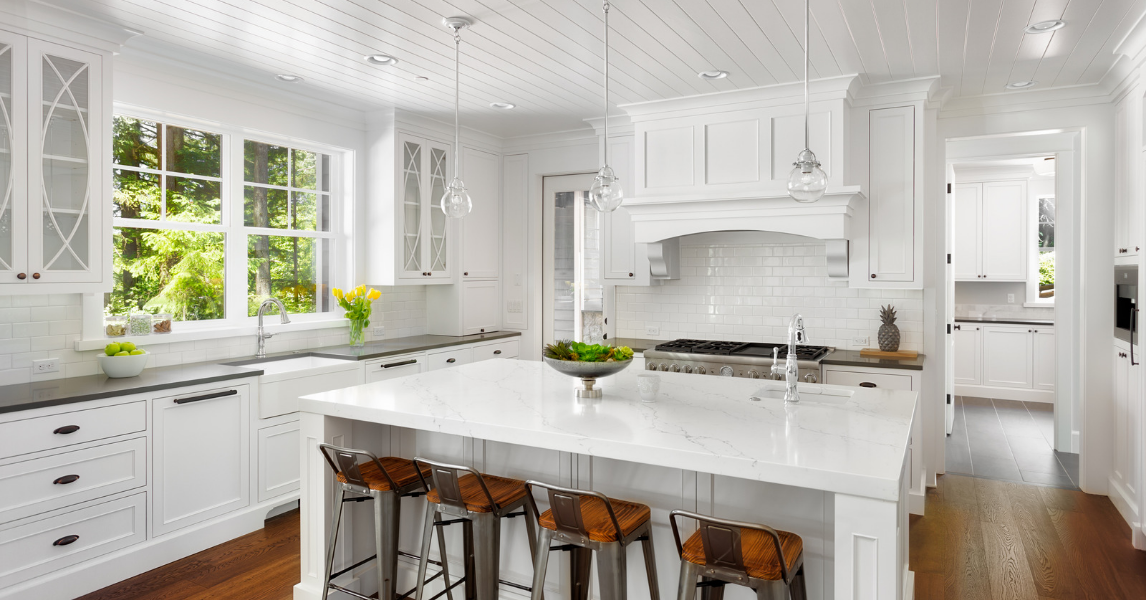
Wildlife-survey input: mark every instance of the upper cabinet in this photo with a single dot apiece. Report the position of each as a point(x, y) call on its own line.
point(989, 231)
point(1127, 200)
point(623, 261)
point(891, 194)
point(481, 229)
point(54, 191)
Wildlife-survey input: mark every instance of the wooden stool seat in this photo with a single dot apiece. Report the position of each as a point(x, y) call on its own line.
point(401, 470)
point(505, 491)
point(759, 550)
point(630, 516)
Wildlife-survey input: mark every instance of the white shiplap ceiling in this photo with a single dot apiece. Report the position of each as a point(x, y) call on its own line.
point(545, 55)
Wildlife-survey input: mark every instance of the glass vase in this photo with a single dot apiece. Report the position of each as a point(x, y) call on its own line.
point(357, 332)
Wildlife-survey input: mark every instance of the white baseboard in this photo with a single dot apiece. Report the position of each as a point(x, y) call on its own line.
point(1074, 442)
point(1005, 393)
point(1129, 512)
point(915, 503)
point(909, 585)
point(100, 572)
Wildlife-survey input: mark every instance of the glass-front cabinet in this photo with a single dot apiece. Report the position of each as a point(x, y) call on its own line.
point(424, 231)
point(52, 197)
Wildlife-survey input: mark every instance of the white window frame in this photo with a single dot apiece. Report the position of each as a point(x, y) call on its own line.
point(1033, 300)
point(232, 225)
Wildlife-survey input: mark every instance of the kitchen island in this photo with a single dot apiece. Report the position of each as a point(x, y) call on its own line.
point(832, 468)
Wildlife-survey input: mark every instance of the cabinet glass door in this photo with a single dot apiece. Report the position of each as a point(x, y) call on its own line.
point(67, 174)
point(439, 223)
point(412, 206)
point(13, 243)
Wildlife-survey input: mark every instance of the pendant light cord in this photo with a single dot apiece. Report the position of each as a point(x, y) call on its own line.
point(605, 155)
point(807, 102)
point(457, 86)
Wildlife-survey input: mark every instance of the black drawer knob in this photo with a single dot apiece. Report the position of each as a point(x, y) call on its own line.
point(450, 360)
point(67, 539)
point(66, 479)
point(66, 429)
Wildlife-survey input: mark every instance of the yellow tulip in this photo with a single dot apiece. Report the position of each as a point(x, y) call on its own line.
point(360, 290)
point(374, 294)
point(337, 293)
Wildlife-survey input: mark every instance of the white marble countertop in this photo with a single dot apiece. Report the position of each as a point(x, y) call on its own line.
point(710, 424)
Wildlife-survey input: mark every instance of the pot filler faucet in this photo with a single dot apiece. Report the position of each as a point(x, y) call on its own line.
point(790, 370)
point(263, 335)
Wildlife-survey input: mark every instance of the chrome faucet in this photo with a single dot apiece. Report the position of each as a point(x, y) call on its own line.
point(791, 370)
point(263, 335)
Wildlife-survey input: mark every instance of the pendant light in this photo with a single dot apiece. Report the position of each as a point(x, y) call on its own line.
point(456, 201)
point(807, 182)
point(606, 194)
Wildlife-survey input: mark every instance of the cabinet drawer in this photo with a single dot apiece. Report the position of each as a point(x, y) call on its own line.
point(452, 357)
point(393, 367)
point(65, 429)
point(885, 381)
point(38, 486)
point(33, 549)
point(498, 350)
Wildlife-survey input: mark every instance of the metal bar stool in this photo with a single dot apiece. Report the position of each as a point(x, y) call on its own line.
point(385, 481)
point(590, 522)
point(768, 561)
point(479, 502)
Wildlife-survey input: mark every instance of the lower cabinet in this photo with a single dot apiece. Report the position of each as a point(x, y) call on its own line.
point(450, 357)
point(278, 460)
point(1007, 357)
point(968, 354)
point(1125, 475)
point(1008, 362)
point(201, 456)
point(393, 367)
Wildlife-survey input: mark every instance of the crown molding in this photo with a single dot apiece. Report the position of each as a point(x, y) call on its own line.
point(43, 19)
point(832, 88)
point(918, 89)
point(1025, 100)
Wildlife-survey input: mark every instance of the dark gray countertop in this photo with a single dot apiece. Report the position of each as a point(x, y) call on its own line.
point(852, 358)
point(55, 392)
point(25, 396)
point(637, 344)
point(1005, 320)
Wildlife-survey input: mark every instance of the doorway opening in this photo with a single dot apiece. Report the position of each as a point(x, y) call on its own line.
point(573, 294)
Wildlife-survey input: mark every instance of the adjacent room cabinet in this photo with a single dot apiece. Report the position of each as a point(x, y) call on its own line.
point(989, 241)
point(1015, 362)
point(54, 184)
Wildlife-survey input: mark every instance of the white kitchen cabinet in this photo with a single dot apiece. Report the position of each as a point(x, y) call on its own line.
point(623, 261)
point(968, 354)
point(449, 357)
point(55, 230)
point(1008, 356)
point(500, 349)
point(201, 456)
point(1127, 200)
point(466, 308)
point(71, 427)
point(1125, 472)
point(990, 231)
point(278, 460)
point(393, 367)
point(891, 194)
point(481, 229)
point(1043, 349)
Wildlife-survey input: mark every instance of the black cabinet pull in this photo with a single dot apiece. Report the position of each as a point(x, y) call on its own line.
point(497, 352)
point(206, 396)
point(867, 384)
point(400, 364)
point(450, 360)
point(66, 429)
point(66, 479)
point(64, 541)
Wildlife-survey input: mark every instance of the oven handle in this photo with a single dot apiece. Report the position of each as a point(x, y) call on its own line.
point(1133, 318)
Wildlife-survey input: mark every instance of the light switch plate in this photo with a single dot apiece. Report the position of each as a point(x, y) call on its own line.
point(46, 365)
point(1010, 298)
point(861, 342)
point(379, 331)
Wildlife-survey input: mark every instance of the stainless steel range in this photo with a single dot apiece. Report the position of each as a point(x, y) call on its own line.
point(732, 359)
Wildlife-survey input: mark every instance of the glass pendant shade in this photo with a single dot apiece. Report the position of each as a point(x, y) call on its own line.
point(807, 182)
point(456, 201)
point(606, 194)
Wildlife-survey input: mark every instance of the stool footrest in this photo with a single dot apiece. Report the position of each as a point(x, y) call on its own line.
point(516, 585)
point(516, 514)
point(357, 499)
point(712, 583)
point(563, 548)
point(353, 566)
point(431, 578)
point(339, 588)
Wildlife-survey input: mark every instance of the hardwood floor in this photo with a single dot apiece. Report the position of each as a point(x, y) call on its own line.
point(982, 539)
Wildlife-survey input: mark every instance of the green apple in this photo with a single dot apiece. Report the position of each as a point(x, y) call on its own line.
point(111, 349)
point(122, 353)
point(136, 352)
point(126, 346)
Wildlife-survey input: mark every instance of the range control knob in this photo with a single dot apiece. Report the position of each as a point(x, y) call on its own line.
point(726, 371)
point(664, 366)
point(651, 366)
point(675, 368)
point(754, 375)
point(701, 370)
point(688, 368)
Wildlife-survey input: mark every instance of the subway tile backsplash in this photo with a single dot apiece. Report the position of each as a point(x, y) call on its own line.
point(749, 292)
point(35, 327)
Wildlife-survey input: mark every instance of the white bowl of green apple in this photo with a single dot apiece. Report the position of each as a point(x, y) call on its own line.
point(122, 359)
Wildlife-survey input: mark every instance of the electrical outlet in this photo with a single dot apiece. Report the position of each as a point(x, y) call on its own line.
point(513, 306)
point(47, 365)
point(379, 330)
point(860, 341)
point(652, 329)
point(1010, 298)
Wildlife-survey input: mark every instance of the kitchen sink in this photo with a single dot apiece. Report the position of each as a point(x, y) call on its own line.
point(809, 392)
point(285, 378)
point(301, 365)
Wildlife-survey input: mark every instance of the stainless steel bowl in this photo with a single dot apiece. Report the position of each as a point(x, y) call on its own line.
point(587, 372)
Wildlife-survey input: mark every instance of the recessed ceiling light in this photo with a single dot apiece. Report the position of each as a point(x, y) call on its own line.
point(712, 74)
point(1045, 26)
point(380, 59)
point(1021, 85)
point(502, 105)
point(288, 78)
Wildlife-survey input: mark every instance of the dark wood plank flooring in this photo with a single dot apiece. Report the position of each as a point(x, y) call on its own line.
point(982, 539)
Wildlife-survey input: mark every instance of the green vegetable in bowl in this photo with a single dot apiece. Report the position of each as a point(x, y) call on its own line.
point(576, 351)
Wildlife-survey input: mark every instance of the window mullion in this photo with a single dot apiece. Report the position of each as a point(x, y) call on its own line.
point(236, 267)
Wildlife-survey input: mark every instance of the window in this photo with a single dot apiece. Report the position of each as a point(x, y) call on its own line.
point(196, 238)
point(1041, 289)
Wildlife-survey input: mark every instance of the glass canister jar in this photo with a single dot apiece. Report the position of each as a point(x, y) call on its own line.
point(161, 323)
point(140, 324)
point(115, 326)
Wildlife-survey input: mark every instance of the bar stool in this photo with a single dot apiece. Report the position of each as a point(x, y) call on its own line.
point(588, 522)
point(385, 481)
point(768, 561)
point(479, 501)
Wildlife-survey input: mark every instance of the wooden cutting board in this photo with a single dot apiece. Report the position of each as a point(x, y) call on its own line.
point(897, 355)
